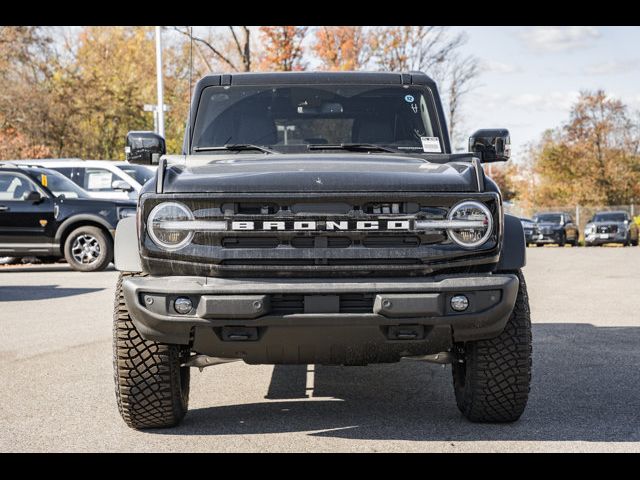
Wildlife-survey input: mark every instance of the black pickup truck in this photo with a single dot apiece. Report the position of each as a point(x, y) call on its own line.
point(320, 218)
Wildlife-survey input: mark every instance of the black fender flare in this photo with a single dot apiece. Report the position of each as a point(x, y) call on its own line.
point(83, 217)
point(514, 248)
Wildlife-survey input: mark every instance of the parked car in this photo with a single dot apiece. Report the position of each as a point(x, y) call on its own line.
point(356, 238)
point(558, 228)
point(44, 214)
point(531, 231)
point(611, 227)
point(100, 178)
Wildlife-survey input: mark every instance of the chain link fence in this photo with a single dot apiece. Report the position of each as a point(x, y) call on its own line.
point(581, 214)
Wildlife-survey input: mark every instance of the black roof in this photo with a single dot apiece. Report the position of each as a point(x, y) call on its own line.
point(302, 78)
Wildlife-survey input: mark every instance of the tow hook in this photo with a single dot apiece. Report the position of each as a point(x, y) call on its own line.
point(201, 361)
point(441, 358)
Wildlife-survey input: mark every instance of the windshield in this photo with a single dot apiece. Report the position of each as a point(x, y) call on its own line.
point(290, 118)
point(549, 218)
point(609, 217)
point(61, 185)
point(140, 173)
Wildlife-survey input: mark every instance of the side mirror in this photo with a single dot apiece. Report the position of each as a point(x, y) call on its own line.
point(491, 145)
point(144, 148)
point(34, 197)
point(121, 185)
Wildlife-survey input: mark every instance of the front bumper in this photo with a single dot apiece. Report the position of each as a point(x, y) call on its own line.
point(239, 318)
point(552, 237)
point(601, 239)
point(532, 236)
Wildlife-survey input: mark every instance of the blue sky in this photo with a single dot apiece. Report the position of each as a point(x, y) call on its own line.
point(532, 75)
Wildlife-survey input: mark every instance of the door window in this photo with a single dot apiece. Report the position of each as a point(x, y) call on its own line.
point(14, 187)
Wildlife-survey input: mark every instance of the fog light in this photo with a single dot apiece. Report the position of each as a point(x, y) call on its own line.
point(459, 303)
point(182, 305)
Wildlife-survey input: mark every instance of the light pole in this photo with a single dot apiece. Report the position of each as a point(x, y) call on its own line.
point(159, 108)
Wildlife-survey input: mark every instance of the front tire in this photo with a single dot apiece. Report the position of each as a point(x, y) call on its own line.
point(563, 240)
point(88, 249)
point(492, 382)
point(152, 389)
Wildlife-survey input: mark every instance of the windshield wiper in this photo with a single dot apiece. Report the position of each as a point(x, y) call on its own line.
point(234, 147)
point(362, 147)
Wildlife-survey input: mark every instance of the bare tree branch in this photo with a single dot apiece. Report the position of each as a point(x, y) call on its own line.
point(462, 72)
point(222, 57)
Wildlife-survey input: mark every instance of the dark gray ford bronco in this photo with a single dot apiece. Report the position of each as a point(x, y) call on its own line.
point(319, 218)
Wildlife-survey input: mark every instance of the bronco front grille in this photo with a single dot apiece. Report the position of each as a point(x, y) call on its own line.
point(397, 241)
point(345, 248)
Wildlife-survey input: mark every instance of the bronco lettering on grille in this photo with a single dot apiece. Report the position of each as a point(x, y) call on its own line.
point(328, 225)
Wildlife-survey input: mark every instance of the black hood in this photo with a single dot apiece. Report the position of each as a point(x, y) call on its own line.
point(318, 172)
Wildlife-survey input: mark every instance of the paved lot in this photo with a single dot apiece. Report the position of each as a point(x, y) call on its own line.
point(57, 386)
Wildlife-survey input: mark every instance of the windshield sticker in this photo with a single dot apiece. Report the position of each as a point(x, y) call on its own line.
point(409, 98)
point(431, 144)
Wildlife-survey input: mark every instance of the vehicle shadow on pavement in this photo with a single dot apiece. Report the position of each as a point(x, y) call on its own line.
point(584, 388)
point(40, 292)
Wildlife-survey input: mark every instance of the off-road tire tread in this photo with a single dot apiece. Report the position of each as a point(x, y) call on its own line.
point(147, 374)
point(497, 371)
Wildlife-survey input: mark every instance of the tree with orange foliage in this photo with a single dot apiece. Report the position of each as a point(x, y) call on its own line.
point(593, 159)
point(15, 146)
point(342, 47)
point(282, 48)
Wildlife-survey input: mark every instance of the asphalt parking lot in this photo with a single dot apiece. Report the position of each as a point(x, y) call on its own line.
point(57, 387)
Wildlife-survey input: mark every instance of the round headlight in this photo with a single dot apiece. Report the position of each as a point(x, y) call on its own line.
point(161, 225)
point(480, 224)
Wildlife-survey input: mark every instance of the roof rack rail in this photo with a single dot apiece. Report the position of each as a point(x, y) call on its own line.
point(9, 163)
